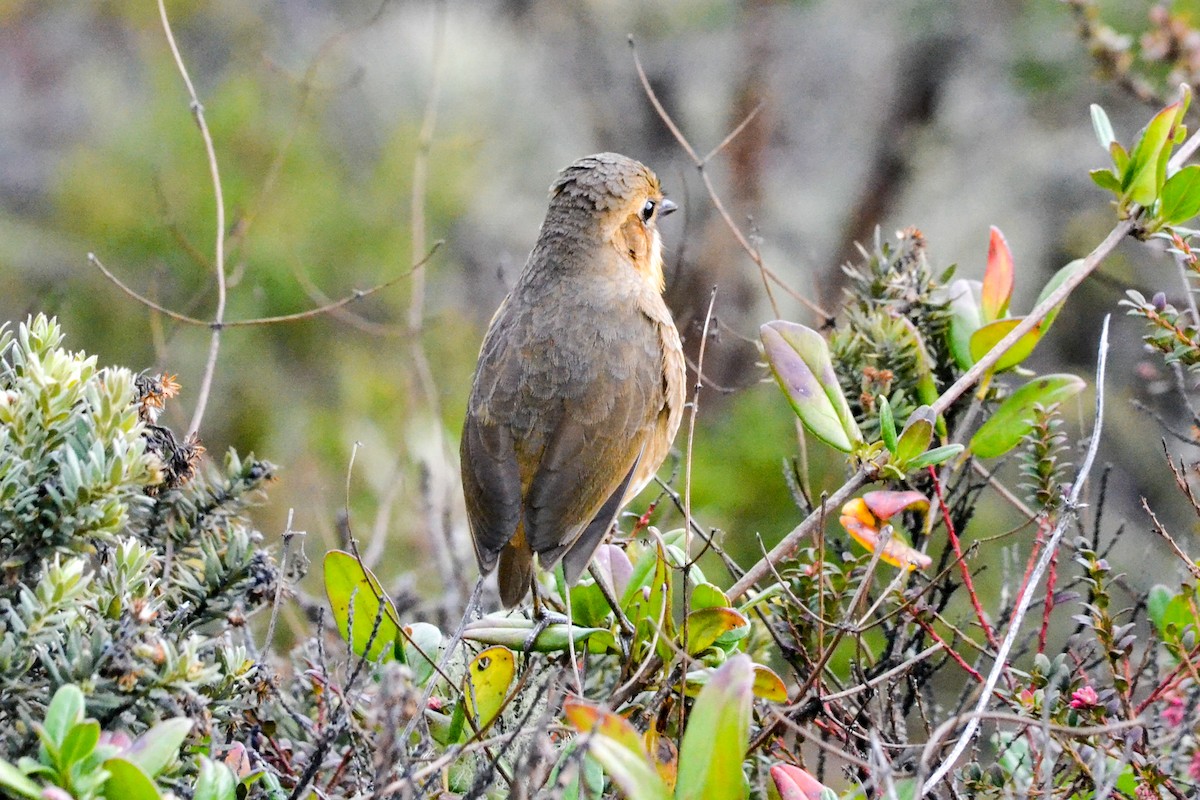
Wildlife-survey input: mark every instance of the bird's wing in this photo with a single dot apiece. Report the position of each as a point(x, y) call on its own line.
point(490, 471)
point(604, 425)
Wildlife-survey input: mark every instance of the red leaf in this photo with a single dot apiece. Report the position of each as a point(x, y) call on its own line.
point(998, 278)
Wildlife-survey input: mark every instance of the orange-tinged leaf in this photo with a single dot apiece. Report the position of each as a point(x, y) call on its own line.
point(998, 278)
point(617, 746)
point(864, 528)
point(486, 685)
point(665, 756)
point(707, 625)
point(768, 685)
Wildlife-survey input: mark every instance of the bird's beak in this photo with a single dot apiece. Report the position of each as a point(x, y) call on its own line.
point(666, 207)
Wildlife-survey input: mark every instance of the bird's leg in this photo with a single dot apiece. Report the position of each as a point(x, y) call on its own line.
point(542, 618)
point(610, 597)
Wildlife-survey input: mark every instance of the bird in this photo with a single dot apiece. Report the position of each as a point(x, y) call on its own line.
point(579, 388)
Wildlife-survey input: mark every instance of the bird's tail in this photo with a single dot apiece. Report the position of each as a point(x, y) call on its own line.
point(515, 572)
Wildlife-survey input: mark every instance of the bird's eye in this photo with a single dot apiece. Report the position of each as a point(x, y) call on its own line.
point(648, 210)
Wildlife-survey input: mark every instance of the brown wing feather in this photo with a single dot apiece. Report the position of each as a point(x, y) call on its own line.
point(606, 419)
point(491, 474)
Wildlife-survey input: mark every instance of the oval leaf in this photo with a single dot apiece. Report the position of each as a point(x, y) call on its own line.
point(128, 782)
point(665, 756)
point(353, 591)
point(916, 436)
point(717, 734)
point(1146, 170)
point(885, 504)
point(709, 624)
point(768, 685)
point(1181, 196)
point(998, 278)
point(422, 647)
point(1102, 127)
point(799, 359)
point(965, 319)
point(987, 337)
point(79, 743)
point(794, 783)
point(155, 748)
point(616, 745)
point(65, 711)
point(1014, 418)
point(486, 685)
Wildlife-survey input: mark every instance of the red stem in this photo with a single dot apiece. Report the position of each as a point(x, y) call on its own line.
point(988, 633)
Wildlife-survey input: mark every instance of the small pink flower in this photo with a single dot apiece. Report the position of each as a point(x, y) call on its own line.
point(1084, 698)
point(1194, 767)
point(1173, 713)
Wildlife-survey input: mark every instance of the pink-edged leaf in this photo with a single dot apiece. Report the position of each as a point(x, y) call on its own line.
point(885, 504)
point(794, 783)
point(998, 278)
point(799, 359)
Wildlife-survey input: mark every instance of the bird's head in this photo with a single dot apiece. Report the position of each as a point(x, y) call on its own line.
point(618, 199)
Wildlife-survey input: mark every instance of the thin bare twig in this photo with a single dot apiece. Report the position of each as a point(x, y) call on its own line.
point(210, 152)
point(700, 164)
point(1022, 606)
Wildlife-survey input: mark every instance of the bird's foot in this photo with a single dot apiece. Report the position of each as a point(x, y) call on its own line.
point(543, 620)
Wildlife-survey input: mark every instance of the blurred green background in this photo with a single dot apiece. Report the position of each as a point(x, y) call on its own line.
point(950, 116)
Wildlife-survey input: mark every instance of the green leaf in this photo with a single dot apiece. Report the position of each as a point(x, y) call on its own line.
point(1147, 168)
point(707, 595)
point(13, 781)
point(799, 359)
point(987, 337)
point(514, 632)
point(215, 782)
point(934, 457)
point(1105, 179)
point(1181, 196)
point(718, 732)
point(965, 319)
point(128, 782)
point(1120, 159)
point(353, 591)
point(64, 712)
point(617, 746)
point(155, 749)
point(647, 601)
point(79, 743)
point(1102, 127)
point(1014, 418)
point(887, 424)
point(916, 436)
point(707, 625)
point(1169, 612)
point(424, 643)
point(1056, 280)
point(998, 278)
